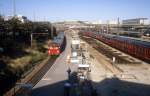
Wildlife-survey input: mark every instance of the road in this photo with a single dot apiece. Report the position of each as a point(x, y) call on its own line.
point(53, 81)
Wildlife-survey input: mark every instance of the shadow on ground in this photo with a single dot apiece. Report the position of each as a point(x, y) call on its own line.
point(56, 89)
point(106, 87)
point(116, 87)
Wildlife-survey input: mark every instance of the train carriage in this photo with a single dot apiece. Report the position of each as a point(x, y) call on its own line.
point(135, 47)
point(57, 45)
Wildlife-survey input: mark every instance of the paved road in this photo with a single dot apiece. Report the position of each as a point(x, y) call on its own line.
point(53, 81)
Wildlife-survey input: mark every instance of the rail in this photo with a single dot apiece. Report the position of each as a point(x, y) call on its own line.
point(33, 77)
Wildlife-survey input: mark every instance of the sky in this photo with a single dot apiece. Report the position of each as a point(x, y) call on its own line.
point(86, 10)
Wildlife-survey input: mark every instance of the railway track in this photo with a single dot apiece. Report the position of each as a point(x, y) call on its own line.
point(32, 78)
point(109, 52)
point(38, 75)
point(94, 53)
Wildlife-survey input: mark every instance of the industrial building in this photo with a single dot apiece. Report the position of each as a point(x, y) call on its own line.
point(137, 21)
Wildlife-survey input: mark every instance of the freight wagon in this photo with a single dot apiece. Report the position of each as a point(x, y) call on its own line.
point(135, 47)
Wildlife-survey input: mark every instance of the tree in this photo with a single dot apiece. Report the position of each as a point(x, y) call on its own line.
point(1, 19)
point(54, 31)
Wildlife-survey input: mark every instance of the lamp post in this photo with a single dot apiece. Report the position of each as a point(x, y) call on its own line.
point(31, 36)
point(107, 26)
point(51, 31)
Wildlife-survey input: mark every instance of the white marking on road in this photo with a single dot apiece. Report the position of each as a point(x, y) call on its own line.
point(47, 79)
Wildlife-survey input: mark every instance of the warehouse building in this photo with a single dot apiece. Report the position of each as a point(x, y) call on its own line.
point(137, 21)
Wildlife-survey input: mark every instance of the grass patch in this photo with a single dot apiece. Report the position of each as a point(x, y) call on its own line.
point(21, 64)
point(25, 63)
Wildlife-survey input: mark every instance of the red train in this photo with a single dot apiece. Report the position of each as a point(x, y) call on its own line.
point(135, 47)
point(57, 45)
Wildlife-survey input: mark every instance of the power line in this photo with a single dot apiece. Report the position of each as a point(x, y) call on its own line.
point(34, 16)
point(14, 7)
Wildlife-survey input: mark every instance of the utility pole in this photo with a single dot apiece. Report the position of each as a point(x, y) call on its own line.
point(107, 26)
point(1, 12)
point(51, 31)
point(31, 36)
point(118, 26)
point(14, 8)
point(33, 29)
point(34, 16)
point(44, 18)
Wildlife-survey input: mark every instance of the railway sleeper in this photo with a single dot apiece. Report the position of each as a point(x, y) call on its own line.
point(108, 52)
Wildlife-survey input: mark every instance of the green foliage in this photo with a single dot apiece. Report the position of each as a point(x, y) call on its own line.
point(15, 37)
point(1, 20)
point(54, 56)
point(19, 57)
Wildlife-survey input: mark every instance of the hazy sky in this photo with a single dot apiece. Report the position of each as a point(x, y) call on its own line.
point(54, 10)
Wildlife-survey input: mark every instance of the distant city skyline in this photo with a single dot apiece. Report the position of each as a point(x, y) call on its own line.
point(85, 10)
